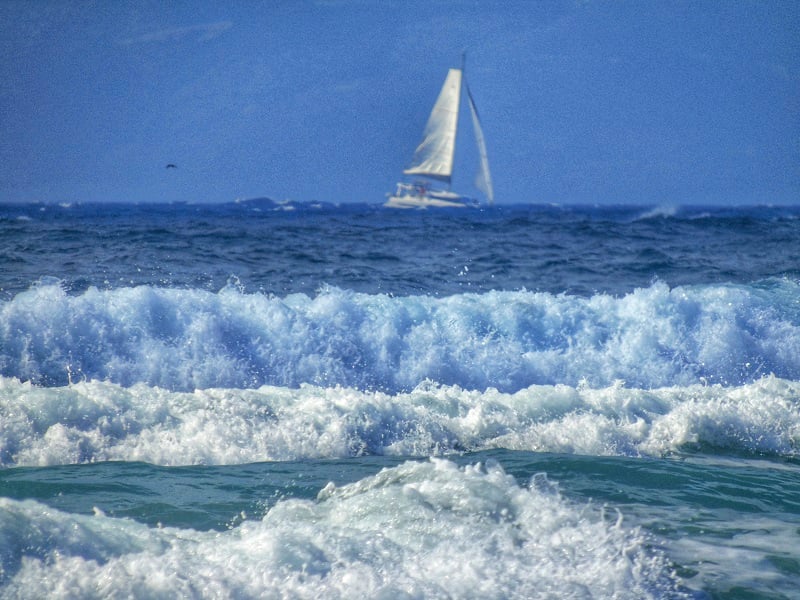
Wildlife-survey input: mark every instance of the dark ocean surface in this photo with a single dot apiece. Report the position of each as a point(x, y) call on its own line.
point(267, 399)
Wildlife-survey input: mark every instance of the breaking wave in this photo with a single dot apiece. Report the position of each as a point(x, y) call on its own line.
point(99, 421)
point(185, 339)
point(428, 529)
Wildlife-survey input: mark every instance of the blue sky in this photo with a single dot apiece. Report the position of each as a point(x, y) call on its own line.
point(648, 102)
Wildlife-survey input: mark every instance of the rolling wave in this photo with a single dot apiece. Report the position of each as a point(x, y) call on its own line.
point(185, 339)
point(100, 421)
point(428, 529)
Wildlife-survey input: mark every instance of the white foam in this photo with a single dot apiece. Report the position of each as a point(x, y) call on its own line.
point(96, 421)
point(189, 339)
point(419, 530)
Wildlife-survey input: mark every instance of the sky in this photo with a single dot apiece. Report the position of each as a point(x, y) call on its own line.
point(598, 102)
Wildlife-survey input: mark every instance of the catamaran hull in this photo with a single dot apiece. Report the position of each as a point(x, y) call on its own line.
point(429, 202)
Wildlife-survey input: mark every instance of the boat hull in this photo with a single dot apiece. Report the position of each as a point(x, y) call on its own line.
point(420, 196)
point(427, 202)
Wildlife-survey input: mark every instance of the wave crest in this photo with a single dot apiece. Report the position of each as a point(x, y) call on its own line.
point(97, 421)
point(395, 534)
point(190, 339)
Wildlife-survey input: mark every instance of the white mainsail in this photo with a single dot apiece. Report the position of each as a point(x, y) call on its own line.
point(483, 180)
point(434, 155)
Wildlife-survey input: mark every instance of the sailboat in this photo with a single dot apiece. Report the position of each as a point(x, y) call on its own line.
point(433, 159)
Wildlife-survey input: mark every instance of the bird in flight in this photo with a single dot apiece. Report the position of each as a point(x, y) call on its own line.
point(172, 166)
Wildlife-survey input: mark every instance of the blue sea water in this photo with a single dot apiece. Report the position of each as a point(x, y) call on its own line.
point(264, 399)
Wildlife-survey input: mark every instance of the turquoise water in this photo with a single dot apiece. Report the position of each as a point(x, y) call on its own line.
point(728, 524)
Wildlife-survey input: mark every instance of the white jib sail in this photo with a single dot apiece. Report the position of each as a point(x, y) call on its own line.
point(434, 155)
point(483, 180)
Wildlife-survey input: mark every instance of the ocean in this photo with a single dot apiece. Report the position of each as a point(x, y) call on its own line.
point(282, 400)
